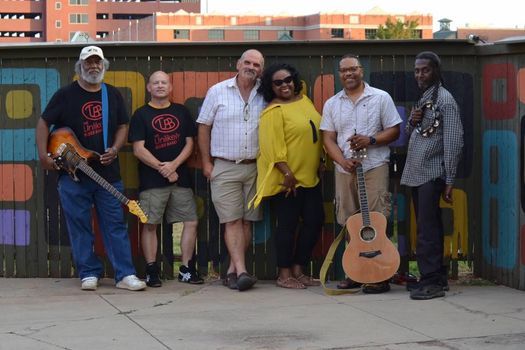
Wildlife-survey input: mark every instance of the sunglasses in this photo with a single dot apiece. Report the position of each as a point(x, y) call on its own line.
point(279, 82)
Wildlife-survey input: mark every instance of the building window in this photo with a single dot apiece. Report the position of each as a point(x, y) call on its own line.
point(181, 34)
point(354, 19)
point(280, 33)
point(251, 35)
point(198, 20)
point(102, 16)
point(78, 2)
point(233, 21)
point(268, 21)
point(418, 33)
point(58, 24)
point(216, 34)
point(370, 33)
point(102, 35)
point(58, 5)
point(338, 33)
point(78, 18)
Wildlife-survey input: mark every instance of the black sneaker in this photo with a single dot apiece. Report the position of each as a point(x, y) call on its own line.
point(186, 275)
point(427, 292)
point(152, 275)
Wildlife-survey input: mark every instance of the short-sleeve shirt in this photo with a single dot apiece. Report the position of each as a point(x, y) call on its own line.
point(373, 112)
point(164, 132)
point(81, 111)
point(234, 133)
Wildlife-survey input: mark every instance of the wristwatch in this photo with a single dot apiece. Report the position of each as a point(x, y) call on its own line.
point(372, 140)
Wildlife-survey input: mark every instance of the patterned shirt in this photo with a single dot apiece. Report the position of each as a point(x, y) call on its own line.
point(373, 112)
point(438, 155)
point(234, 133)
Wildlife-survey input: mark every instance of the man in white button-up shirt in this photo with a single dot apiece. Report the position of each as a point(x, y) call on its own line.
point(228, 142)
point(358, 117)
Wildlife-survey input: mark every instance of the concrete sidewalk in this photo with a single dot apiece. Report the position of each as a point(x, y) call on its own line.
point(55, 314)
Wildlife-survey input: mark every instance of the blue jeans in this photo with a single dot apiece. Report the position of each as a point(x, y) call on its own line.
point(77, 199)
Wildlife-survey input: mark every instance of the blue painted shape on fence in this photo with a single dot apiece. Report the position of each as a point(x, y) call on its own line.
point(505, 192)
point(15, 227)
point(18, 145)
point(263, 230)
point(402, 140)
point(47, 79)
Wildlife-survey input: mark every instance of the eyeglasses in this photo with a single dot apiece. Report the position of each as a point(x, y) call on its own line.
point(352, 69)
point(279, 82)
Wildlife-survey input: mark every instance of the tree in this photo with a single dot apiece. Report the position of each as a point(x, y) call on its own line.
point(398, 30)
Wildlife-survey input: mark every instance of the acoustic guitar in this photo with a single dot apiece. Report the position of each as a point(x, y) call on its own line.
point(65, 149)
point(370, 257)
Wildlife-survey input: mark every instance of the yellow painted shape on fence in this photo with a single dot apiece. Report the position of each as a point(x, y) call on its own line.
point(134, 81)
point(19, 104)
point(457, 242)
point(130, 176)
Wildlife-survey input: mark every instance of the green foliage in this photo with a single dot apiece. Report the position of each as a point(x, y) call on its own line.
point(398, 30)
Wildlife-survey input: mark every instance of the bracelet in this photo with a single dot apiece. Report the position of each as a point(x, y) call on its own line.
point(114, 149)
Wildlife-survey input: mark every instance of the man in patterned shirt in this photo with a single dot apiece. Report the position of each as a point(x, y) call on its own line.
point(228, 142)
point(434, 151)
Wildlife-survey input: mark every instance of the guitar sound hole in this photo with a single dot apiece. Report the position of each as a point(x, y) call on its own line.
point(367, 233)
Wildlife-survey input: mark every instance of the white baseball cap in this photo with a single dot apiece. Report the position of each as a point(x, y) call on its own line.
point(89, 51)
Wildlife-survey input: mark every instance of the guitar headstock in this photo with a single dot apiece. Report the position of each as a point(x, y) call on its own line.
point(135, 209)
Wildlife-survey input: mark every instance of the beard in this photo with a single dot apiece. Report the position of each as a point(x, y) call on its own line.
point(92, 78)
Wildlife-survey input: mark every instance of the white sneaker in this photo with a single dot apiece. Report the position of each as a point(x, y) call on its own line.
point(89, 283)
point(131, 282)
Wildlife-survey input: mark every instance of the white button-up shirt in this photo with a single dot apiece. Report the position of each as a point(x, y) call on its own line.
point(234, 133)
point(373, 112)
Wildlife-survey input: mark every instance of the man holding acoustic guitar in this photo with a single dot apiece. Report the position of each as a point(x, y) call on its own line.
point(359, 122)
point(95, 115)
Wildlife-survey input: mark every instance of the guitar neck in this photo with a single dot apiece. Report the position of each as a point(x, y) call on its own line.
point(363, 199)
point(86, 169)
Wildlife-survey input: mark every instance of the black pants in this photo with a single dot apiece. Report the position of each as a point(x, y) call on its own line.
point(430, 235)
point(308, 205)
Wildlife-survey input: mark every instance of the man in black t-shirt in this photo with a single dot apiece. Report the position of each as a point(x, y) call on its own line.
point(78, 106)
point(162, 135)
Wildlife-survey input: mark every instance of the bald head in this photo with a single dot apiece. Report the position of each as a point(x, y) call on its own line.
point(250, 66)
point(159, 86)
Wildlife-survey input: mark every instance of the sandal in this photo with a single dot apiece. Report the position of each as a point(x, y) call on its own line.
point(289, 282)
point(308, 281)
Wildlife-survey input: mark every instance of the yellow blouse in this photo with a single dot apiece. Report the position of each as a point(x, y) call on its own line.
point(288, 132)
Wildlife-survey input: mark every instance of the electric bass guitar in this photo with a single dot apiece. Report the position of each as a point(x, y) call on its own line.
point(65, 149)
point(370, 257)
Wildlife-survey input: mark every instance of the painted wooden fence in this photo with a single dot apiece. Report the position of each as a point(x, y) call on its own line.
point(484, 225)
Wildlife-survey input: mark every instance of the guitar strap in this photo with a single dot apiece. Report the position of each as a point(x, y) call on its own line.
point(326, 265)
point(104, 92)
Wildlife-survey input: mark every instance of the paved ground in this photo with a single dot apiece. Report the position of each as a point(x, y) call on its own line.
point(49, 314)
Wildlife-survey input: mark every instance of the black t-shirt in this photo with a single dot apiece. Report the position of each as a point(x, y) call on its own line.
point(164, 132)
point(81, 111)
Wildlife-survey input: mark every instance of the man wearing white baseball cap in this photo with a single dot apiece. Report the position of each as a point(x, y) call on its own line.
point(96, 114)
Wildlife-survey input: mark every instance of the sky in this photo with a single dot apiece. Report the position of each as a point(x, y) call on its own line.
point(499, 13)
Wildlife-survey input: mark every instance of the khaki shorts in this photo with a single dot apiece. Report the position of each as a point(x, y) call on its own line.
point(177, 203)
point(347, 195)
point(232, 188)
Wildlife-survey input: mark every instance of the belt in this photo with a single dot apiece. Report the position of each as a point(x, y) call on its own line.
point(244, 161)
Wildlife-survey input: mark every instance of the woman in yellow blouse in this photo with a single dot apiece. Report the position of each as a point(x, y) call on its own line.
point(288, 171)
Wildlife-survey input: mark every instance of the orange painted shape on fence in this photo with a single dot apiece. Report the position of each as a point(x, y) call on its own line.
point(521, 85)
point(194, 84)
point(323, 90)
point(17, 182)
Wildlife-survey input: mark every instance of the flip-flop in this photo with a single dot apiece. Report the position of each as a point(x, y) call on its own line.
point(307, 281)
point(290, 283)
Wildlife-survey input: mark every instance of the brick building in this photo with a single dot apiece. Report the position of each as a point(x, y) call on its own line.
point(61, 20)
point(178, 20)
